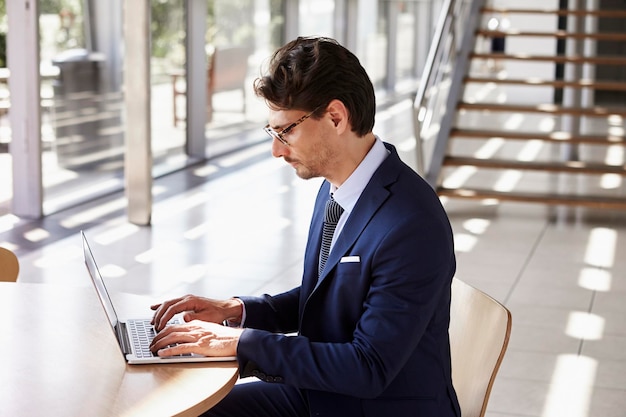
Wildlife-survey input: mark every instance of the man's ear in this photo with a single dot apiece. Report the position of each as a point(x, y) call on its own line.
point(338, 114)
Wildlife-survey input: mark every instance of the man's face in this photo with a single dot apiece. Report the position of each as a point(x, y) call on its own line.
point(308, 146)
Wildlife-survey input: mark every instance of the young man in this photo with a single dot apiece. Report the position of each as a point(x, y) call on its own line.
point(371, 315)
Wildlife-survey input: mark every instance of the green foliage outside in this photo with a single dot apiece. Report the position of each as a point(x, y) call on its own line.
point(230, 22)
point(167, 26)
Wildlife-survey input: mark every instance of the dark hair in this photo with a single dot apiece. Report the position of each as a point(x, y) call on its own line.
point(308, 73)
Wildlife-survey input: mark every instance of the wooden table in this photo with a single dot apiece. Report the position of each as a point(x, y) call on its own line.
point(46, 334)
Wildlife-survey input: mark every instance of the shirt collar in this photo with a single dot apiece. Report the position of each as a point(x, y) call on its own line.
point(348, 194)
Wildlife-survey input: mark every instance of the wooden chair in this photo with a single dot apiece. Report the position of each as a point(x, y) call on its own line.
point(228, 68)
point(226, 71)
point(9, 265)
point(479, 334)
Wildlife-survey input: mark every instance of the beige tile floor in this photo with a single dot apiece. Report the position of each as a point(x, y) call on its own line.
point(238, 225)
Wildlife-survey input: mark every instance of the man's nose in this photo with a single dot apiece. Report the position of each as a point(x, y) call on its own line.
point(278, 148)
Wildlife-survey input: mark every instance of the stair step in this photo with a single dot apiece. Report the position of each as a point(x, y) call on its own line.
point(554, 167)
point(545, 108)
point(570, 59)
point(620, 14)
point(584, 83)
point(552, 199)
point(559, 34)
point(571, 167)
point(557, 137)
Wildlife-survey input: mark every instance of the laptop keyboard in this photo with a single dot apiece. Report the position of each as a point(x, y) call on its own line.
point(141, 333)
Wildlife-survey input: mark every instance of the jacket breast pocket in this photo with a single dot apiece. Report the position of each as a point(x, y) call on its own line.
point(349, 268)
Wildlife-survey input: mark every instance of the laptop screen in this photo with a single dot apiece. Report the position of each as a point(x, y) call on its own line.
point(98, 282)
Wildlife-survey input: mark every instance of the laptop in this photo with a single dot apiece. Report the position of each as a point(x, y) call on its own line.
point(134, 335)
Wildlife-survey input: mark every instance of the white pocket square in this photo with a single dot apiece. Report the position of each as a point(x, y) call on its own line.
point(347, 259)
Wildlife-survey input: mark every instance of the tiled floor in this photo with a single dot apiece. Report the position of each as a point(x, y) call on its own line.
point(238, 225)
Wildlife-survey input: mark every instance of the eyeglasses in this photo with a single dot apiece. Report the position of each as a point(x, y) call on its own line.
point(281, 135)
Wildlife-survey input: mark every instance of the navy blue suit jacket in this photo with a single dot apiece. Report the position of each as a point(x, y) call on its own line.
point(372, 334)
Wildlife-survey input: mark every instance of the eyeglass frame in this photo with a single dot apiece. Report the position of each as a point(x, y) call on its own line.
point(279, 135)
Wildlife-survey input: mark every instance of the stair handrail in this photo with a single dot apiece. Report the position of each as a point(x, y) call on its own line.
point(457, 17)
point(419, 104)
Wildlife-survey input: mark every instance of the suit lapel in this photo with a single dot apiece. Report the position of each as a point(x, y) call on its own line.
point(373, 196)
point(358, 220)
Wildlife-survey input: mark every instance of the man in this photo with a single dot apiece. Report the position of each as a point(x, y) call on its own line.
point(372, 315)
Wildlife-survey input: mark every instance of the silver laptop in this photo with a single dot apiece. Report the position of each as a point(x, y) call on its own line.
point(134, 335)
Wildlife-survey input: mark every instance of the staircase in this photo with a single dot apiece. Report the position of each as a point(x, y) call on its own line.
point(530, 125)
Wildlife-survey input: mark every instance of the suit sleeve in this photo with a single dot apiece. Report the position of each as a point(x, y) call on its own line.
point(273, 313)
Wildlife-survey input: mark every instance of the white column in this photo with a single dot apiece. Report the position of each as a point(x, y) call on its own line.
point(25, 113)
point(138, 156)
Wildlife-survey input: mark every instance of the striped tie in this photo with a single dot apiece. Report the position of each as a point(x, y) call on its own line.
point(331, 217)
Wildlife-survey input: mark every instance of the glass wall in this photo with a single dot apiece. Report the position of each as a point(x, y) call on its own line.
point(82, 100)
point(81, 53)
point(82, 134)
point(167, 72)
point(240, 35)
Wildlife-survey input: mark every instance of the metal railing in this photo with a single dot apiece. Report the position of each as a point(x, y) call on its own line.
point(441, 85)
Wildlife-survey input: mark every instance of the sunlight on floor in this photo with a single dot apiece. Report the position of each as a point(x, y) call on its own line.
point(571, 387)
point(36, 234)
point(8, 221)
point(573, 380)
point(112, 271)
point(116, 234)
point(95, 213)
point(595, 279)
point(585, 326)
point(59, 256)
point(465, 242)
point(163, 249)
point(601, 247)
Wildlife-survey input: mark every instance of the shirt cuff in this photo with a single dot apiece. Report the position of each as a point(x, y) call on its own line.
point(234, 323)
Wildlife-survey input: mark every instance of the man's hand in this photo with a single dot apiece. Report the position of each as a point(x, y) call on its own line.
point(196, 308)
point(202, 338)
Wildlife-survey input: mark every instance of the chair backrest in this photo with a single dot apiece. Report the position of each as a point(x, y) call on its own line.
point(479, 334)
point(228, 69)
point(9, 265)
